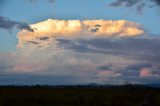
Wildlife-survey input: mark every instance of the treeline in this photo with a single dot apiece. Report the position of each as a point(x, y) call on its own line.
point(127, 95)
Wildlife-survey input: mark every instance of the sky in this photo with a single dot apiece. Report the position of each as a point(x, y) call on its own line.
point(61, 42)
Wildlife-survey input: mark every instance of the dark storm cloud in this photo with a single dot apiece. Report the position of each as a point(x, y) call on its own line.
point(139, 48)
point(7, 24)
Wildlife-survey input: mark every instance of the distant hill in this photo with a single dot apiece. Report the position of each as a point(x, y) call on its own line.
point(91, 85)
point(153, 85)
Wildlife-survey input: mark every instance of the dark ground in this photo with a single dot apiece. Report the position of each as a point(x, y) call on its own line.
point(79, 96)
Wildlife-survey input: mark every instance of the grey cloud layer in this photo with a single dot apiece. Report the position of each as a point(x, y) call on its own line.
point(141, 48)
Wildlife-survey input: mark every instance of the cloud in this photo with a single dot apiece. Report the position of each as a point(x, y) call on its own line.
point(107, 71)
point(145, 72)
point(106, 60)
point(133, 54)
point(70, 49)
point(33, 42)
point(144, 49)
point(108, 74)
point(81, 29)
point(6, 60)
point(148, 72)
point(139, 5)
point(51, 1)
point(7, 24)
point(43, 38)
point(139, 66)
point(126, 3)
point(105, 67)
point(157, 2)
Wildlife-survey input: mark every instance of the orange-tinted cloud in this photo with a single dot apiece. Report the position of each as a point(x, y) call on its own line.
point(145, 72)
point(80, 29)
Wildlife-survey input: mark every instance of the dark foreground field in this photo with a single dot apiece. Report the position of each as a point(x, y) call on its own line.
point(79, 96)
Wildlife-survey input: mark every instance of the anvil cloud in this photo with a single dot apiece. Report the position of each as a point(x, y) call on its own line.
point(80, 29)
